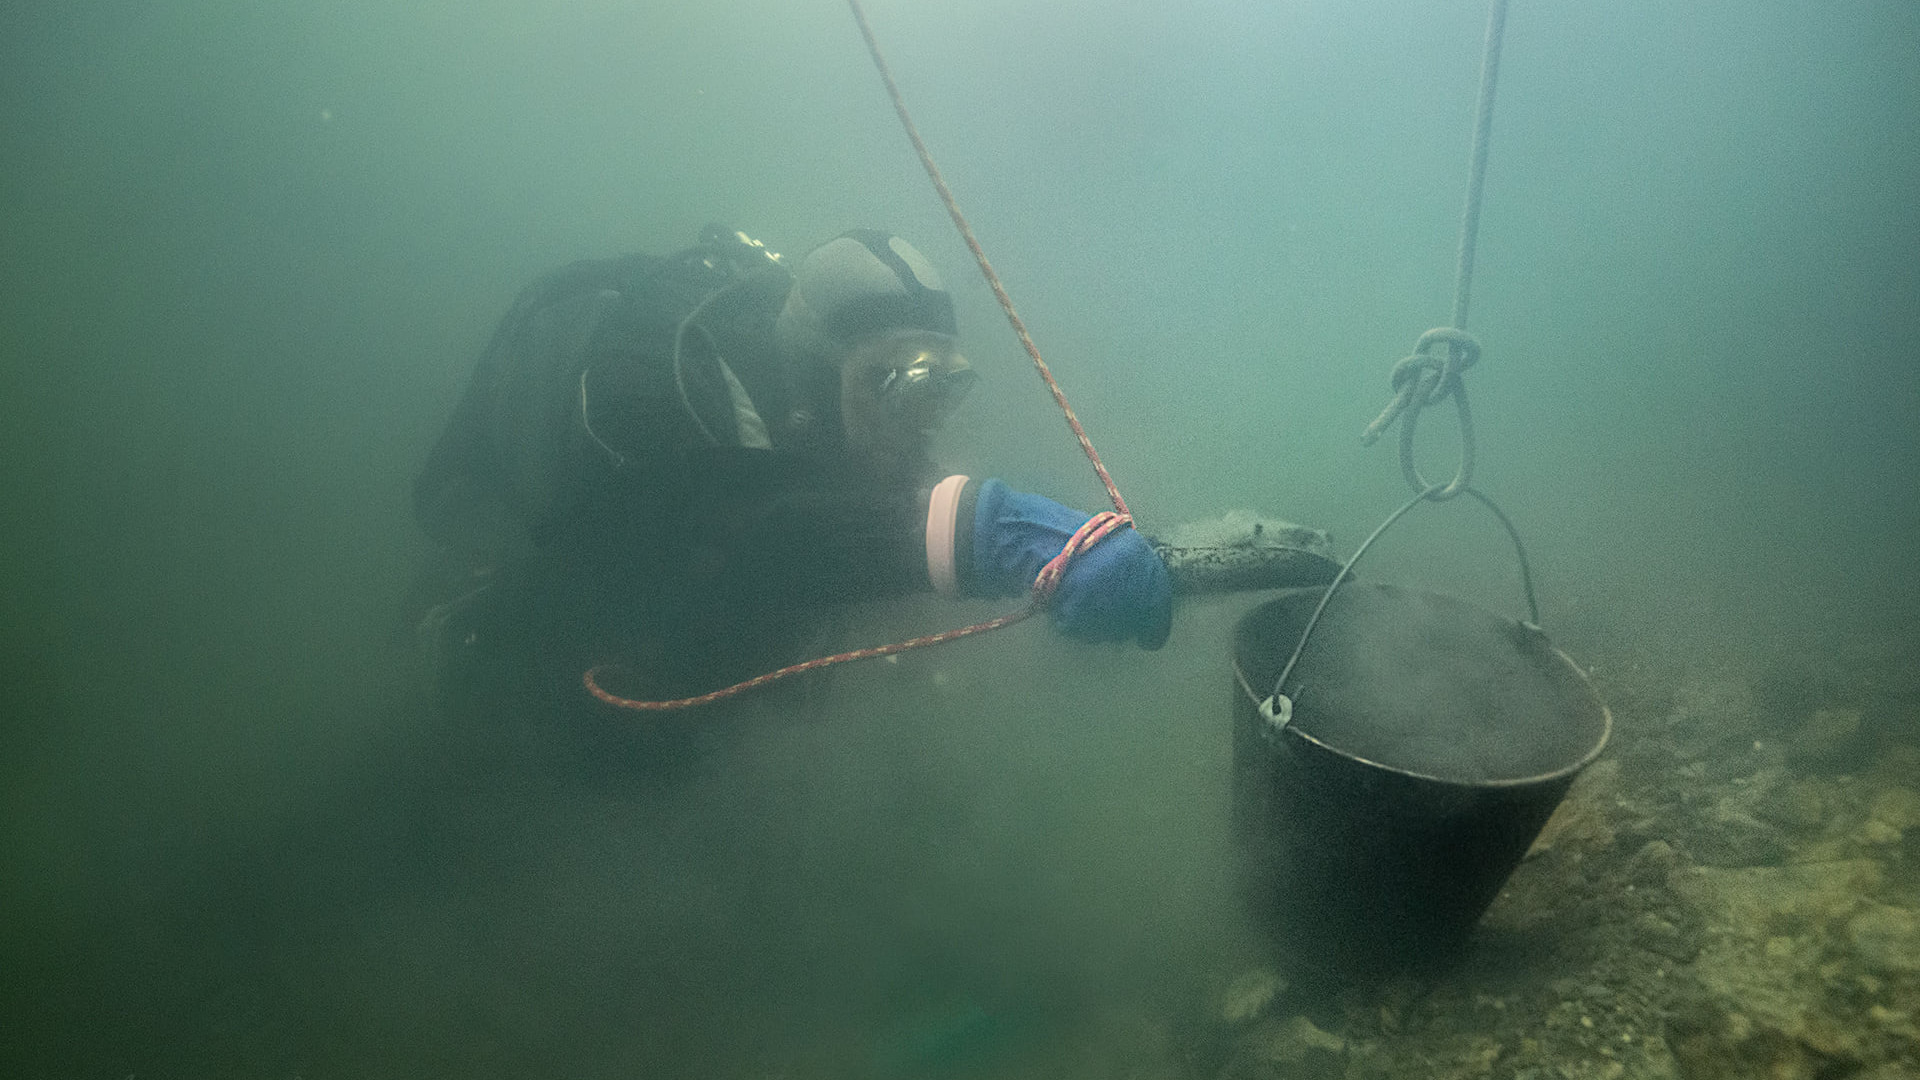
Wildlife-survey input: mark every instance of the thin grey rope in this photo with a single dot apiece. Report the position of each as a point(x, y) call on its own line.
point(1429, 375)
point(1477, 171)
point(1432, 374)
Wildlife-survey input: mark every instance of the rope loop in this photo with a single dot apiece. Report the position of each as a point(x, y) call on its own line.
point(1428, 376)
point(1461, 351)
point(1097, 528)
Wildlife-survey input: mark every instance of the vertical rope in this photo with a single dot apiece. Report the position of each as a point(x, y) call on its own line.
point(1477, 171)
point(980, 256)
point(1424, 378)
point(1433, 371)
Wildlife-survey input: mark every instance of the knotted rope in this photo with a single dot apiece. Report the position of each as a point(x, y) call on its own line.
point(1428, 377)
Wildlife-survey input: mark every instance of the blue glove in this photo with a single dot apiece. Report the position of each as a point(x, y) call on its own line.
point(1115, 590)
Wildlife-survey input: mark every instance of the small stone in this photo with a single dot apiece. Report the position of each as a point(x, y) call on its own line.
point(1830, 849)
point(1652, 863)
point(1901, 759)
point(1877, 832)
point(1581, 820)
point(1314, 1038)
point(1759, 896)
point(1295, 1045)
point(1898, 807)
point(1730, 838)
point(1799, 805)
point(1663, 938)
point(1249, 995)
point(1894, 1022)
point(1829, 735)
point(1886, 938)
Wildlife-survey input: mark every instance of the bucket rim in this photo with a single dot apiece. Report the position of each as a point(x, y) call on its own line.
point(1599, 745)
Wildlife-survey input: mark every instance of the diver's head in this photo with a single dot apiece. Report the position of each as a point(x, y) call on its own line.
point(869, 322)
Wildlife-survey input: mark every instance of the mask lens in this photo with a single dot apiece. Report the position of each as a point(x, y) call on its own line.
point(948, 389)
point(928, 383)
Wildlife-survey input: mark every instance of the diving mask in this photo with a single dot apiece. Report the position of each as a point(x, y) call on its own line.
point(915, 377)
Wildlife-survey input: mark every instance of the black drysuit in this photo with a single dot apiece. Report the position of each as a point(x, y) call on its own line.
point(668, 493)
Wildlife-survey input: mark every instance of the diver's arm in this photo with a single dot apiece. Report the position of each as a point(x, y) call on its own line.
point(766, 528)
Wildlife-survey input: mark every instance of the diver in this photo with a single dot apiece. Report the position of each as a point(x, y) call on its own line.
point(679, 464)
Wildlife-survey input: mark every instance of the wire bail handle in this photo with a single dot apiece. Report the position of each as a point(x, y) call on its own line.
point(1277, 708)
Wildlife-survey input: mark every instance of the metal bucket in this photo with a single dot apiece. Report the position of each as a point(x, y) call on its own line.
point(1429, 741)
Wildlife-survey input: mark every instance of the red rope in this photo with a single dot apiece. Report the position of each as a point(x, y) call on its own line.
point(1096, 528)
point(980, 256)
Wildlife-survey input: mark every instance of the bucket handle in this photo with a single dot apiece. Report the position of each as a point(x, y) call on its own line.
point(1276, 710)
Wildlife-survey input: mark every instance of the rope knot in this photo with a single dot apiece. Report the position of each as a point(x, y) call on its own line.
point(1097, 528)
point(1431, 375)
point(1436, 363)
point(1444, 351)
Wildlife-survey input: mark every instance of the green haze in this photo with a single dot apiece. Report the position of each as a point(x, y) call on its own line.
point(249, 251)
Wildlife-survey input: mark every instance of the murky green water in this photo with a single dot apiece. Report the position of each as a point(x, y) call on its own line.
point(247, 255)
